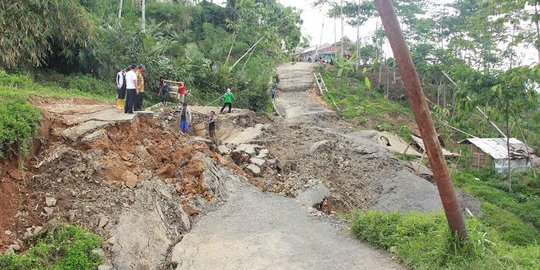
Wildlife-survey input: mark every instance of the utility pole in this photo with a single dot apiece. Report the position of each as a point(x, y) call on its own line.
point(423, 118)
point(143, 15)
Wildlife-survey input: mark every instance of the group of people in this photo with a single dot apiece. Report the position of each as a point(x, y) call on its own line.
point(130, 88)
point(130, 95)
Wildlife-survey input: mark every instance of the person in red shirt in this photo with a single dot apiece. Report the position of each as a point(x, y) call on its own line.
point(181, 92)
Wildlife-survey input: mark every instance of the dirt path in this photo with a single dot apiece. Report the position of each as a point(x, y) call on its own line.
point(165, 200)
point(255, 230)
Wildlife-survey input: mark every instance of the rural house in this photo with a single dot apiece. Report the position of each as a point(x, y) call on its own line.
point(492, 152)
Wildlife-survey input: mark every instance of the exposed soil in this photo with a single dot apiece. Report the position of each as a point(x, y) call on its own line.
point(140, 183)
point(93, 177)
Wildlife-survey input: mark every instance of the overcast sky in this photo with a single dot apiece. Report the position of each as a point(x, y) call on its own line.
point(314, 18)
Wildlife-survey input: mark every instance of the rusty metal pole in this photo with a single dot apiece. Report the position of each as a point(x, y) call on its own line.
point(423, 117)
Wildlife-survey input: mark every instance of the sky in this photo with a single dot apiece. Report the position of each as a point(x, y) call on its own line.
point(315, 17)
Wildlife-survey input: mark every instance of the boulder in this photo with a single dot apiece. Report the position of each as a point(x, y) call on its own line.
point(130, 179)
point(223, 149)
point(314, 194)
point(48, 210)
point(246, 148)
point(315, 146)
point(50, 201)
point(257, 161)
point(253, 169)
point(106, 266)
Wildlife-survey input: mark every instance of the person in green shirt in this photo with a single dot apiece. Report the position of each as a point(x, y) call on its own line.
point(227, 100)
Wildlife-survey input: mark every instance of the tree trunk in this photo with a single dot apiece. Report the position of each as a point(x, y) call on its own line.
point(358, 36)
point(230, 49)
point(525, 142)
point(120, 10)
point(509, 177)
point(444, 95)
point(144, 15)
point(536, 23)
point(342, 35)
point(335, 33)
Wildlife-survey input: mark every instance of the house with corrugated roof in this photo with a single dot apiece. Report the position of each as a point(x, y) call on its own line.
point(493, 152)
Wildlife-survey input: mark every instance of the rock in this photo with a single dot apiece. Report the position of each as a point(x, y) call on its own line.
point(130, 179)
point(145, 232)
point(392, 249)
point(97, 135)
point(263, 153)
point(315, 146)
point(50, 201)
point(366, 149)
point(257, 161)
point(14, 247)
point(203, 140)
point(103, 221)
point(99, 252)
point(223, 149)
point(253, 169)
point(166, 171)
point(106, 266)
point(111, 241)
point(8, 232)
point(246, 148)
point(48, 210)
point(313, 195)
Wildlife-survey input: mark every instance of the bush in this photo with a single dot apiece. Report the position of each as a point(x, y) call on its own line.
point(423, 241)
point(18, 123)
point(489, 186)
point(82, 83)
point(65, 247)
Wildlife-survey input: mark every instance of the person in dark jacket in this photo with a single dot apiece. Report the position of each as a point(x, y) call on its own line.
point(120, 89)
point(164, 93)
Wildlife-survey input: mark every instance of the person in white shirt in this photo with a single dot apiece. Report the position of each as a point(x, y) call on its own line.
point(131, 85)
point(120, 89)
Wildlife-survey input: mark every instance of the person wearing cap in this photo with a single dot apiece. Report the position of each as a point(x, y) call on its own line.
point(140, 88)
point(120, 89)
point(131, 86)
point(227, 100)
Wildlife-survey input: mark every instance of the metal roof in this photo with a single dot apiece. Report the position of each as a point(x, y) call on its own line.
point(496, 147)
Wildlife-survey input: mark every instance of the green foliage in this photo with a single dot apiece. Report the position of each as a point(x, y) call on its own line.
point(55, 85)
point(82, 83)
point(65, 247)
point(34, 30)
point(423, 241)
point(20, 120)
point(18, 123)
point(516, 213)
point(361, 105)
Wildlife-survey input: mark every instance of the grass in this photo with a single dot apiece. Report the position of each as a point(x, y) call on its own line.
point(362, 106)
point(19, 120)
point(65, 247)
point(515, 214)
point(422, 241)
point(506, 236)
